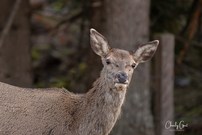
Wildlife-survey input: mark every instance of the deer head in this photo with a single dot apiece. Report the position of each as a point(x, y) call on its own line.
point(119, 64)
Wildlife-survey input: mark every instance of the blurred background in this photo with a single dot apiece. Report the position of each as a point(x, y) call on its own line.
point(45, 43)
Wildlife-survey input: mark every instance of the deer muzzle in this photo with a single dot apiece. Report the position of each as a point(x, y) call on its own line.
point(122, 78)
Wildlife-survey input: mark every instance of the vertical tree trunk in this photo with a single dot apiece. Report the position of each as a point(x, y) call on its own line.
point(93, 62)
point(126, 25)
point(15, 59)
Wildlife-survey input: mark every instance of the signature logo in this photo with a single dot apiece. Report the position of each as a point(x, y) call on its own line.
point(176, 126)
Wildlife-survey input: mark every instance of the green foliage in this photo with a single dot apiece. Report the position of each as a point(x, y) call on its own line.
point(35, 54)
point(60, 82)
point(58, 5)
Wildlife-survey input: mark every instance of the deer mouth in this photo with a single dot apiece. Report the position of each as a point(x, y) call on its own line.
point(121, 83)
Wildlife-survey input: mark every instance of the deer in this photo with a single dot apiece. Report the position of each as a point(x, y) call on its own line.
point(56, 111)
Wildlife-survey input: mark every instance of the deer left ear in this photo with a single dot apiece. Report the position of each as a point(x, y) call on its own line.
point(145, 52)
point(99, 43)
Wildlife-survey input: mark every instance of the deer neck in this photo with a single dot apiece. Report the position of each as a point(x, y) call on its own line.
point(103, 90)
point(103, 105)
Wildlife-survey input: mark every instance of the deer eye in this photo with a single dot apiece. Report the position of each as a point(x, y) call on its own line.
point(108, 61)
point(133, 65)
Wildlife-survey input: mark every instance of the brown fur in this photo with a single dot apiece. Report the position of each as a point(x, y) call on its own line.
point(57, 111)
point(54, 111)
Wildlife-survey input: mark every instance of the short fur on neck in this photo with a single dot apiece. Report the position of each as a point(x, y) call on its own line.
point(102, 107)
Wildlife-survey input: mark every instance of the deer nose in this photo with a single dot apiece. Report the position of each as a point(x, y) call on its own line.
point(122, 77)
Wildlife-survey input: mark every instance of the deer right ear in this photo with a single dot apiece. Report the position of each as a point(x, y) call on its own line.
point(146, 51)
point(99, 43)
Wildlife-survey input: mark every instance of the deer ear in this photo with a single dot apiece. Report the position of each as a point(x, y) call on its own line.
point(99, 43)
point(146, 51)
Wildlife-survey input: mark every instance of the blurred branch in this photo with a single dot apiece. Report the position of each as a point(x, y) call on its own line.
point(77, 15)
point(191, 11)
point(191, 27)
point(184, 40)
point(69, 19)
point(10, 22)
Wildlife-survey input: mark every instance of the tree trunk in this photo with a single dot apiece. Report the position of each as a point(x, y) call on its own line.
point(126, 26)
point(92, 60)
point(15, 59)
